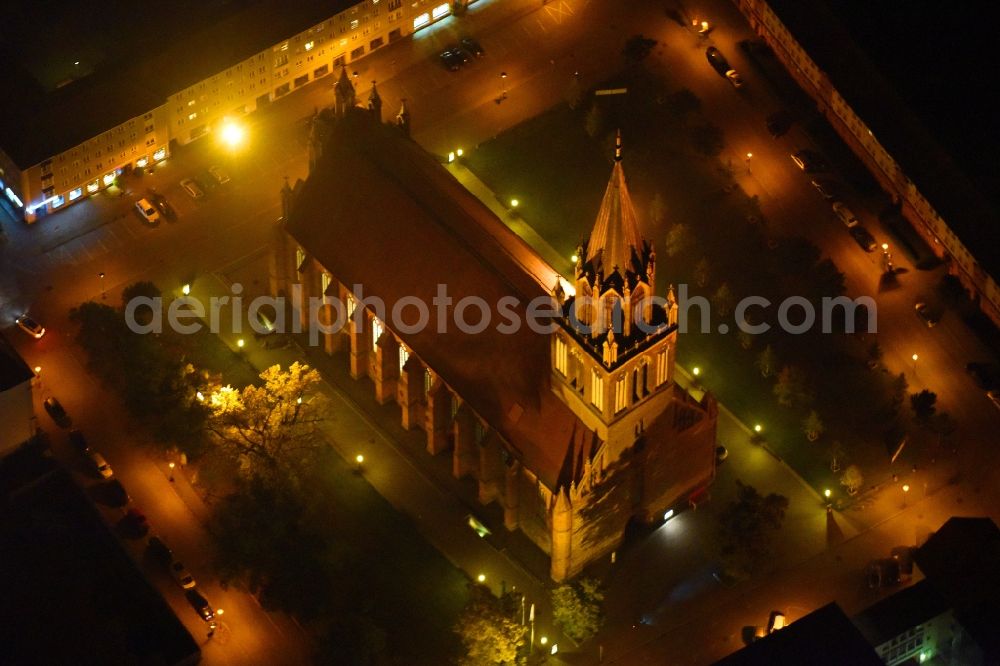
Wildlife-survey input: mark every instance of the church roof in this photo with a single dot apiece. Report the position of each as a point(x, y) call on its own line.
point(616, 232)
point(343, 86)
point(379, 211)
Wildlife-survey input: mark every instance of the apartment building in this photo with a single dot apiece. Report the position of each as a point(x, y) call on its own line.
point(64, 139)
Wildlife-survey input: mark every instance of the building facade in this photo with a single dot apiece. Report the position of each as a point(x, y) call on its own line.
point(766, 19)
point(40, 179)
point(574, 432)
point(17, 414)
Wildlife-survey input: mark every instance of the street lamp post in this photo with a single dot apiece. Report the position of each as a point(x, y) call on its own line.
point(906, 490)
point(503, 86)
point(914, 357)
point(101, 276)
point(171, 466)
point(749, 157)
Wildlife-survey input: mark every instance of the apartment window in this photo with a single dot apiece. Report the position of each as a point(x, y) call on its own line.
point(76, 194)
point(395, 34)
point(309, 45)
point(562, 364)
point(621, 393)
point(192, 116)
point(301, 80)
point(280, 60)
point(421, 21)
point(149, 128)
point(340, 60)
point(321, 71)
point(395, 4)
point(427, 380)
point(354, 24)
point(375, 43)
point(58, 201)
point(282, 90)
point(441, 11)
point(596, 390)
point(357, 53)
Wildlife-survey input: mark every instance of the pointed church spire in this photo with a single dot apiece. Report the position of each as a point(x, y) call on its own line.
point(375, 102)
point(344, 93)
point(616, 232)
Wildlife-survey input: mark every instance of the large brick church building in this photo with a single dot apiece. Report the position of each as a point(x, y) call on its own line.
point(573, 433)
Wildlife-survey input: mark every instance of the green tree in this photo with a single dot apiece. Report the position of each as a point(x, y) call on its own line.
point(594, 121)
point(747, 527)
point(723, 300)
point(270, 429)
point(487, 631)
point(812, 426)
point(767, 360)
point(576, 608)
point(852, 479)
point(679, 239)
point(791, 388)
point(923, 405)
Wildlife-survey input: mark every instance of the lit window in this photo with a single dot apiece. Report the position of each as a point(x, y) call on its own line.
point(621, 394)
point(142, 162)
point(192, 116)
point(300, 258)
point(191, 103)
point(661, 366)
point(440, 11)
point(561, 356)
point(309, 46)
point(354, 24)
point(404, 356)
point(376, 332)
point(92, 187)
point(597, 390)
point(421, 20)
point(324, 283)
point(58, 201)
point(428, 380)
point(352, 305)
point(76, 194)
point(109, 178)
point(160, 154)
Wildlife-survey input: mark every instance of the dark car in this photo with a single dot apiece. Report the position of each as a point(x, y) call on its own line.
point(809, 161)
point(984, 374)
point(929, 317)
point(200, 604)
point(453, 58)
point(159, 551)
point(472, 46)
point(134, 523)
point(56, 411)
point(165, 208)
point(779, 122)
point(863, 238)
point(717, 60)
point(114, 493)
point(78, 441)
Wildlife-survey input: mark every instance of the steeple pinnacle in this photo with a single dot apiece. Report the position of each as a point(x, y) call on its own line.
point(615, 237)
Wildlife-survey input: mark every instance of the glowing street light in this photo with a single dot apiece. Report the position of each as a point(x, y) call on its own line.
point(233, 135)
point(544, 640)
point(758, 427)
point(171, 466)
point(459, 152)
point(200, 396)
point(914, 357)
point(514, 203)
point(906, 489)
point(696, 371)
point(749, 157)
point(186, 289)
point(451, 157)
point(574, 258)
point(481, 578)
point(38, 370)
point(240, 343)
point(827, 493)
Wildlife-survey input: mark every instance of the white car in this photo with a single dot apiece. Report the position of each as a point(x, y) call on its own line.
point(220, 176)
point(148, 211)
point(734, 78)
point(181, 575)
point(845, 214)
point(30, 326)
point(100, 464)
point(193, 189)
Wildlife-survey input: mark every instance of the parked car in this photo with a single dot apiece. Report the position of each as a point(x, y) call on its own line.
point(453, 58)
point(809, 161)
point(200, 604)
point(219, 174)
point(926, 314)
point(864, 238)
point(779, 122)
point(148, 211)
point(101, 465)
point(829, 189)
point(115, 494)
point(775, 621)
point(56, 411)
point(30, 326)
point(165, 208)
point(159, 551)
point(984, 374)
point(181, 575)
point(472, 46)
point(721, 65)
point(134, 523)
point(78, 441)
point(845, 214)
point(193, 189)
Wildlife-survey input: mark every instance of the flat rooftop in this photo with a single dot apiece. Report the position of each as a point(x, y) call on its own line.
point(73, 69)
point(71, 594)
point(921, 79)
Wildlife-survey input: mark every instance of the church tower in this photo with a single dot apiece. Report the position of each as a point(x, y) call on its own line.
point(344, 95)
point(613, 357)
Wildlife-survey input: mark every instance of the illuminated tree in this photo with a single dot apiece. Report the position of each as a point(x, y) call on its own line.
point(679, 240)
point(702, 272)
point(791, 388)
point(487, 631)
point(270, 429)
point(812, 426)
point(576, 608)
point(657, 208)
point(766, 361)
point(852, 479)
point(747, 526)
point(723, 300)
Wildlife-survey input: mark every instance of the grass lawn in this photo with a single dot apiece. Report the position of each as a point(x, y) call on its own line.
point(559, 173)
